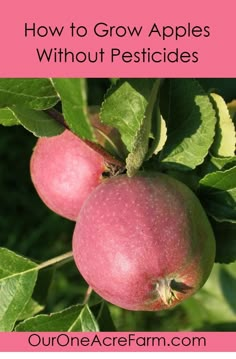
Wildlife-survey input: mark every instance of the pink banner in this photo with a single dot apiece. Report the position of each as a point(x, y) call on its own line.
point(119, 342)
point(117, 39)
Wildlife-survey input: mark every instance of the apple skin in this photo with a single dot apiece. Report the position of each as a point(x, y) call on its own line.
point(144, 243)
point(64, 171)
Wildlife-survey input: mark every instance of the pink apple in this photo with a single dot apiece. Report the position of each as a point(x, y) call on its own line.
point(144, 243)
point(64, 171)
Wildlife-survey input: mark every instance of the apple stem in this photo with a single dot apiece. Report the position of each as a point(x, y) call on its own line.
point(65, 257)
point(56, 115)
point(87, 295)
point(111, 161)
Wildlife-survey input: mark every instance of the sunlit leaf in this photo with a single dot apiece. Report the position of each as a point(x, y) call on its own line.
point(7, 117)
point(72, 93)
point(225, 137)
point(37, 94)
point(190, 120)
point(75, 318)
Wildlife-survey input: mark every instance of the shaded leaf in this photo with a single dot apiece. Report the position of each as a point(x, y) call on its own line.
point(37, 303)
point(37, 94)
point(190, 119)
point(17, 280)
point(103, 317)
point(228, 286)
point(214, 303)
point(224, 87)
point(225, 139)
point(225, 235)
point(190, 178)
point(218, 192)
point(74, 105)
point(37, 122)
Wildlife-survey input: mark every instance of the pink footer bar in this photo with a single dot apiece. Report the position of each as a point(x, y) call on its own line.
point(118, 342)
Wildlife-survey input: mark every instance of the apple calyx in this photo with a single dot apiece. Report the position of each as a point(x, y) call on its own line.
point(165, 291)
point(168, 289)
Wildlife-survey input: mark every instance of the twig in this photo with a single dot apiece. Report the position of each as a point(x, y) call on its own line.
point(87, 295)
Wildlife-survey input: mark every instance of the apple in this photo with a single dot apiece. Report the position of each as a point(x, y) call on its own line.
point(144, 243)
point(64, 171)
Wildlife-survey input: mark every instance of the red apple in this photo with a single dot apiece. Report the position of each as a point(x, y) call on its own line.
point(64, 171)
point(144, 243)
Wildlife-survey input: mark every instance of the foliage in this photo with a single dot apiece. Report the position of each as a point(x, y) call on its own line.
point(183, 127)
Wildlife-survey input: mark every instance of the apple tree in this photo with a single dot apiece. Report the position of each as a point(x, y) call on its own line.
point(141, 174)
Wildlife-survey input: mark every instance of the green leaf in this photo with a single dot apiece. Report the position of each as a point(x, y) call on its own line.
point(103, 317)
point(215, 302)
point(60, 321)
point(7, 117)
point(114, 80)
point(37, 122)
point(141, 141)
point(218, 192)
point(74, 105)
point(190, 119)
point(37, 303)
point(225, 235)
point(74, 318)
point(31, 308)
point(213, 164)
point(17, 280)
point(224, 87)
point(125, 106)
point(228, 286)
point(232, 111)
point(37, 94)
point(190, 178)
point(223, 163)
point(159, 135)
point(225, 139)
point(86, 322)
